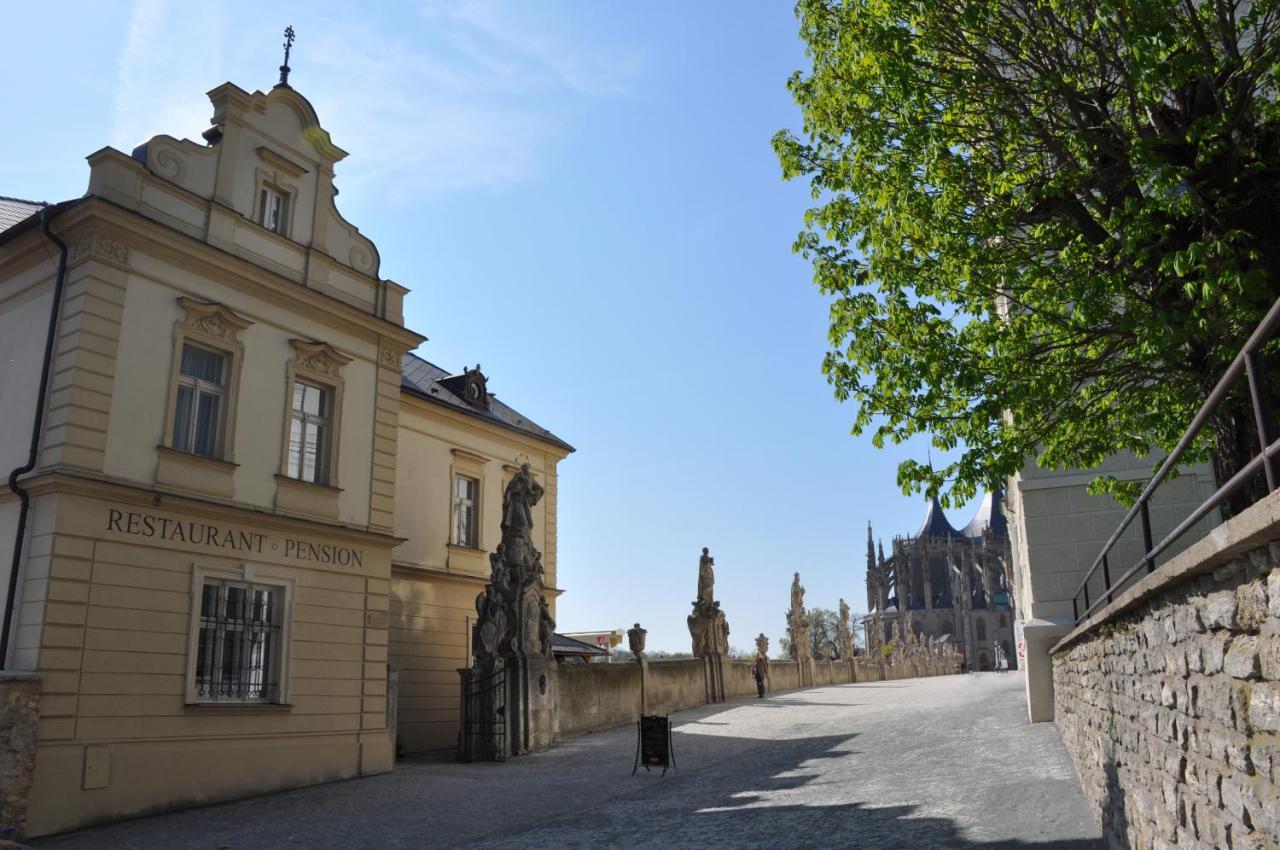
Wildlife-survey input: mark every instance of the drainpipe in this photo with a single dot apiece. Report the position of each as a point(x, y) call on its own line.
point(11, 594)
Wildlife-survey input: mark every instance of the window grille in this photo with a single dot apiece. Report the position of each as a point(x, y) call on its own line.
point(238, 657)
point(464, 511)
point(309, 434)
point(197, 414)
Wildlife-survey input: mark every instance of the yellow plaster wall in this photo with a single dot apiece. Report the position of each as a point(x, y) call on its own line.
point(434, 585)
point(114, 645)
point(140, 403)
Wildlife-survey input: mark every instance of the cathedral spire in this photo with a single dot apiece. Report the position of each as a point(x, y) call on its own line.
point(871, 550)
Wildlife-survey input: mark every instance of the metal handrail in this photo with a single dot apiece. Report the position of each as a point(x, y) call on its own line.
point(1247, 361)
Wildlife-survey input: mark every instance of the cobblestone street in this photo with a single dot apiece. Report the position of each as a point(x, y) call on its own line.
point(947, 762)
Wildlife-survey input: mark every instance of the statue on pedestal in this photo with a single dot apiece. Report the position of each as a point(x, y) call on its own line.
point(511, 640)
point(708, 626)
point(845, 633)
point(762, 644)
point(798, 623)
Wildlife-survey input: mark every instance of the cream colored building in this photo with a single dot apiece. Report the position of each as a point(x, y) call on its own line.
point(1057, 530)
point(248, 498)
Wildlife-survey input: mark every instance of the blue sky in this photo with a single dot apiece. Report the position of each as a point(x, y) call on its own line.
point(582, 198)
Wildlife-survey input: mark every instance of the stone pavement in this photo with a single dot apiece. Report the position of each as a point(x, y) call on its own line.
point(947, 762)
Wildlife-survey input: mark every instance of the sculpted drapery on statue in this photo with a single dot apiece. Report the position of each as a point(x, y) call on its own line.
point(706, 579)
point(798, 623)
point(708, 626)
point(512, 614)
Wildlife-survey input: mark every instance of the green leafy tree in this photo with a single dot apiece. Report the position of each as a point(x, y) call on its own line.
point(1047, 227)
point(824, 631)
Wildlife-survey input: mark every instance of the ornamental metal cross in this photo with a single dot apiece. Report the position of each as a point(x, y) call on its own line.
point(288, 45)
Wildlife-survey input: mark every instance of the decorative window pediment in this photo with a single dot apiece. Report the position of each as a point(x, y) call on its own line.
point(318, 357)
point(210, 319)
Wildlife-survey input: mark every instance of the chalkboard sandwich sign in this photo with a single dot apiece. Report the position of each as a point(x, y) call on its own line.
point(653, 743)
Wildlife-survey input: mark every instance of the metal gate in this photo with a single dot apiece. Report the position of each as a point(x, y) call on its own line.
point(483, 736)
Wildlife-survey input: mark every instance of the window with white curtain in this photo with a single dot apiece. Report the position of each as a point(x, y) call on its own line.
point(198, 411)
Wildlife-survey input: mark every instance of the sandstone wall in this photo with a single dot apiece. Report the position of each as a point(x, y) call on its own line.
point(1171, 711)
point(19, 712)
point(596, 696)
point(674, 685)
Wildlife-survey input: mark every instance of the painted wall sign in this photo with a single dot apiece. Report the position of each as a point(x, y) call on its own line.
point(229, 538)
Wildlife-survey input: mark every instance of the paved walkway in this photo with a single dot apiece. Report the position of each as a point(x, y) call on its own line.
point(948, 762)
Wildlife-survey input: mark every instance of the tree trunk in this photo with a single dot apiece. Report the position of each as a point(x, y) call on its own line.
point(1235, 443)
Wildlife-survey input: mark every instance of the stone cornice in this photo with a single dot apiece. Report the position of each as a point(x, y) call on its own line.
point(471, 422)
point(146, 234)
point(123, 492)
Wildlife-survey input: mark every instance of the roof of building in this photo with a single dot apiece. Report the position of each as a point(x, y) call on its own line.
point(991, 516)
point(569, 646)
point(935, 522)
point(15, 210)
point(423, 379)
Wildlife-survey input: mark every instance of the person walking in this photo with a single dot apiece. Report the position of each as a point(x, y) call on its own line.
point(760, 669)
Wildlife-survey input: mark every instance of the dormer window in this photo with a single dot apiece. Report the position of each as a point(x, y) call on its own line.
point(273, 209)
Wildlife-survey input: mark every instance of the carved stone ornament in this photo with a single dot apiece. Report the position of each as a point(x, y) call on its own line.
point(513, 619)
point(708, 626)
point(319, 357)
point(635, 640)
point(389, 357)
point(762, 644)
point(101, 247)
point(212, 319)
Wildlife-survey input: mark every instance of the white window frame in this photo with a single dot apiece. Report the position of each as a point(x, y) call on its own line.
point(323, 423)
point(272, 196)
point(457, 504)
point(316, 364)
point(198, 388)
point(249, 575)
point(214, 328)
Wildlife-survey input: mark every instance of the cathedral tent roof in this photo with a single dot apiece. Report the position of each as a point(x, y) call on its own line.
point(990, 515)
point(935, 522)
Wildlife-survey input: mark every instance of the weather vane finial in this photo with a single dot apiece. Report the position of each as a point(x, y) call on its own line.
point(288, 45)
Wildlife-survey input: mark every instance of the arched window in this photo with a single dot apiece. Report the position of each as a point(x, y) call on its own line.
point(982, 630)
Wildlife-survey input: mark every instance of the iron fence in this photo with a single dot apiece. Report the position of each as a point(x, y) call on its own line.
point(1247, 361)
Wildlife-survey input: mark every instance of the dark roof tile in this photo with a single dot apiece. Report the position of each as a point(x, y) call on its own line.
point(422, 378)
point(15, 210)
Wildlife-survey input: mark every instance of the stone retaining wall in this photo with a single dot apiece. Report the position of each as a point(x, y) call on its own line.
point(591, 697)
point(1171, 710)
point(19, 713)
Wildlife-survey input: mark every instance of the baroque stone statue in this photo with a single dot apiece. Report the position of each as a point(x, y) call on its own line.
point(708, 626)
point(635, 640)
point(706, 579)
point(844, 632)
point(512, 617)
point(762, 644)
point(798, 623)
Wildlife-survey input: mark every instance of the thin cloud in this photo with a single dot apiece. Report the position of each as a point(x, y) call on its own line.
point(450, 98)
point(160, 77)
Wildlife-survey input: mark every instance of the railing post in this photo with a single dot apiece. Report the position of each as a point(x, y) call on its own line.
point(1146, 539)
point(1086, 595)
point(1075, 610)
point(1261, 414)
point(1106, 576)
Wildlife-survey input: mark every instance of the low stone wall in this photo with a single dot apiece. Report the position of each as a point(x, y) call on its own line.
point(671, 686)
point(591, 697)
point(19, 713)
point(596, 696)
point(1171, 709)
